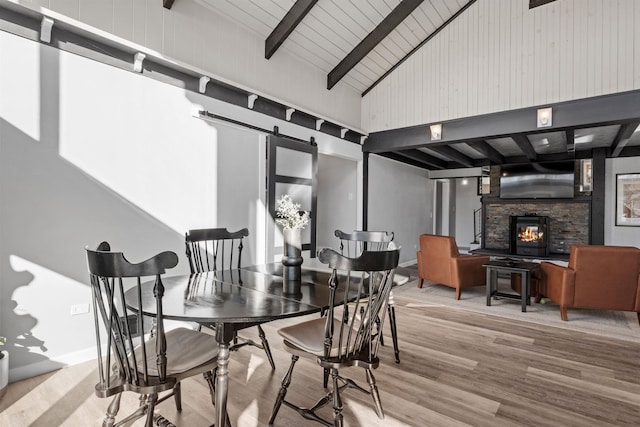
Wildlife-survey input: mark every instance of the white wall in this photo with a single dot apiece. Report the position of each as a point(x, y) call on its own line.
point(337, 199)
point(618, 235)
point(400, 200)
point(90, 152)
point(467, 200)
point(500, 55)
point(192, 34)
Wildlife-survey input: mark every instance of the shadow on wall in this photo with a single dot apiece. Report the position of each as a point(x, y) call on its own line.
point(51, 210)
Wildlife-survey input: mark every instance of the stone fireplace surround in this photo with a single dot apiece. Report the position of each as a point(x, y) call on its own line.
point(569, 219)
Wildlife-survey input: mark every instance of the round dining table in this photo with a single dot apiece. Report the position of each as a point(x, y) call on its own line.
point(235, 299)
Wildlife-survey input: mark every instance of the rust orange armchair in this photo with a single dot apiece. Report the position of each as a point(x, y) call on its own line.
point(440, 261)
point(597, 277)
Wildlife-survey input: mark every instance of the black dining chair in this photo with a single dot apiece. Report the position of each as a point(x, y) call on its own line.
point(353, 244)
point(217, 249)
point(130, 358)
point(343, 338)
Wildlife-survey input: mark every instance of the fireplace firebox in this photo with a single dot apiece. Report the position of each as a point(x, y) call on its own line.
point(529, 235)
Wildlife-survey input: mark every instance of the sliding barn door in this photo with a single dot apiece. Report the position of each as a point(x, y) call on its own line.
point(292, 168)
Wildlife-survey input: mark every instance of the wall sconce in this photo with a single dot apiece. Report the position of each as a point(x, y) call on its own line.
point(436, 132)
point(545, 117)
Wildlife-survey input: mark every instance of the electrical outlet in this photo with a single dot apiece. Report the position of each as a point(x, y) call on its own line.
point(79, 309)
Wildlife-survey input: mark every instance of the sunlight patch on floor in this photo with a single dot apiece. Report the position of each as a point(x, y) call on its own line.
point(58, 386)
point(365, 415)
point(254, 363)
point(249, 417)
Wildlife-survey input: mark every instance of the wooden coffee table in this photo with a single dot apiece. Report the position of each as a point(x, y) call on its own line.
point(510, 266)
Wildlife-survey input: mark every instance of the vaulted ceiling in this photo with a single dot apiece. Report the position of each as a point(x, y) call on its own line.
point(359, 42)
point(352, 41)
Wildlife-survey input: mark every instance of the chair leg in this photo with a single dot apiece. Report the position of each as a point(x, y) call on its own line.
point(112, 411)
point(337, 400)
point(161, 421)
point(563, 313)
point(151, 406)
point(420, 282)
point(375, 394)
point(458, 292)
point(177, 396)
point(325, 378)
point(210, 378)
point(286, 381)
point(638, 317)
point(265, 346)
point(394, 331)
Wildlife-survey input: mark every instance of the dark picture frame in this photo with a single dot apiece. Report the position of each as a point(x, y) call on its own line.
point(628, 199)
point(484, 185)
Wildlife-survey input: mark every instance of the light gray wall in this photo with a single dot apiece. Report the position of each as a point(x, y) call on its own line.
point(400, 200)
point(467, 200)
point(88, 153)
point(337, 198)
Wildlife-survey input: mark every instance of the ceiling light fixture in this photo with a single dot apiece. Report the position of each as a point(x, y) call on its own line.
point(436, 132)
point(545, 116)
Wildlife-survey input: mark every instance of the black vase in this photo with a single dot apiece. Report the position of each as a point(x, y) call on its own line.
point(292, 258)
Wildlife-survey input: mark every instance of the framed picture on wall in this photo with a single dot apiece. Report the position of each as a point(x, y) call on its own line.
point(484, 184)
point(585, 175)
point(628, 199)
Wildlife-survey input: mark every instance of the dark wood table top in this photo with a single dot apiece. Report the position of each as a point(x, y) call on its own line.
point(512, 264)
point(239, 296)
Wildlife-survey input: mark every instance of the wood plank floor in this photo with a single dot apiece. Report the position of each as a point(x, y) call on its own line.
point(457, 369)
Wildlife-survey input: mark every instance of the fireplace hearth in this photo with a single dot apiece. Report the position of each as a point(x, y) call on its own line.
point(529, 235)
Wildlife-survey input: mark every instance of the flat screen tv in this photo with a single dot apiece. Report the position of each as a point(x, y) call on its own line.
point(550, 180)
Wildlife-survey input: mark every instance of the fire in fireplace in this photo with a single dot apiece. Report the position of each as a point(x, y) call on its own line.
point(529, 235)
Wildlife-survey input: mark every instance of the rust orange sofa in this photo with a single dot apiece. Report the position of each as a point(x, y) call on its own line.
point(440, 261)
point(597, 277)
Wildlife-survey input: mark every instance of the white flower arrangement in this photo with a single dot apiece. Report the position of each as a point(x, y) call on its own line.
point(289, 215)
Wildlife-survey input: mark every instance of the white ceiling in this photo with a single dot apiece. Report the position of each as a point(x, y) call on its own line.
point(333, 28)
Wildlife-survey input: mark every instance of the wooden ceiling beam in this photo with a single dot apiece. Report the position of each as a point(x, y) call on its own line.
point(622, 137)
point(454, 155)
point(423, 158)
point(294, 16)
point(488, 151)
point(536, 3)
point(408, 160)
point(570, 137)
point(388, 24)
point(525, 146)
point(422, 43)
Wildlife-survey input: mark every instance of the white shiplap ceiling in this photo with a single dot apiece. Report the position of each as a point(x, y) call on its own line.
point(333, 28)
point(330, 31)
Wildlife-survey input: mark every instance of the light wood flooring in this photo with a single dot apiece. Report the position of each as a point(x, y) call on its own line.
point(457, 368)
